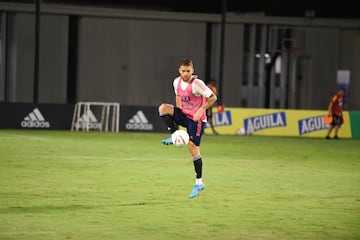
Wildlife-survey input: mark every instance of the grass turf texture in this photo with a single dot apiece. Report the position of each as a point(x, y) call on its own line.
point(76, 185)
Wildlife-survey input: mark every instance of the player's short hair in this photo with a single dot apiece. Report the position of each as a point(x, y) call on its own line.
point(341, 89)
point(186, 62)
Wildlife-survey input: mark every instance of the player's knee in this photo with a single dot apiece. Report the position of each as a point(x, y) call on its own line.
point(162, 107)
point(165, 108)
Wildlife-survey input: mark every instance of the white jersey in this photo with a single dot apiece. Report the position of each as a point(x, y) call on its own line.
point(199, 88)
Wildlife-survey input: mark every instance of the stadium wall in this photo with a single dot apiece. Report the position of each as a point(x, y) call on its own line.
point(233, 121)
point(141, 51)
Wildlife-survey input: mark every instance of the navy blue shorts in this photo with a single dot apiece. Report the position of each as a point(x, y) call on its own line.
point(195, 129)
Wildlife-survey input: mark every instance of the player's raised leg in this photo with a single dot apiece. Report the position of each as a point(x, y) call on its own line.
point(166, 112)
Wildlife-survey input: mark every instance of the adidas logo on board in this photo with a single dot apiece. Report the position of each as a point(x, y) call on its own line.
point(35, 120)
point(139, 122)
point(88, 119)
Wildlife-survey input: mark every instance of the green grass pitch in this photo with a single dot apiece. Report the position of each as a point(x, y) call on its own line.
point(78, 185)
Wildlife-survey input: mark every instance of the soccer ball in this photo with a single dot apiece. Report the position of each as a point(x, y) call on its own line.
point(241, 131)
point(180, 138)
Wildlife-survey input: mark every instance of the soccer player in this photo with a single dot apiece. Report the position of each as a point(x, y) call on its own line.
point(209, 111)
point(192, 98)
point(335, 109)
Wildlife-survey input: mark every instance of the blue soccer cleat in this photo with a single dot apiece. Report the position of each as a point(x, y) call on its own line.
point(196, 190)
point(167, 141)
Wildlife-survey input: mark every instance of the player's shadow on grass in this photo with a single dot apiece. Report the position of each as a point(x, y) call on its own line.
point(73, 207)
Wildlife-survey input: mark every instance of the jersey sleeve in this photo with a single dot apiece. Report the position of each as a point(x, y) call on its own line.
point(175, 83)
point(334, 98)
point(199, 88)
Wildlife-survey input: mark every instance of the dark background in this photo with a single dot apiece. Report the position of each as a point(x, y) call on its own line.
point(281, 8)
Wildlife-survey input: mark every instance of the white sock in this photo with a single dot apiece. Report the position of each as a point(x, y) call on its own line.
point(198, 181)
